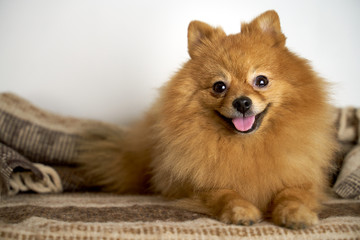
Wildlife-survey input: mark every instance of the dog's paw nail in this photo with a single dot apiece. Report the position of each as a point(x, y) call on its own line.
point(246, 222)
point(297, 226)
point(292, 226)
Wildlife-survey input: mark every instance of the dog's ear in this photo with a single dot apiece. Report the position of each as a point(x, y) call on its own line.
point(200, 33)
point(269, 24)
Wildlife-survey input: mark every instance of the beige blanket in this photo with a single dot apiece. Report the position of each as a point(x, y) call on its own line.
point(110, 217)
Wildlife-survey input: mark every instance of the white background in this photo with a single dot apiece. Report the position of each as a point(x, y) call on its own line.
point(105, 59)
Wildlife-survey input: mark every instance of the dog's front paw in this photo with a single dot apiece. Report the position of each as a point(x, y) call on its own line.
point(240, 212)
point(294, 215)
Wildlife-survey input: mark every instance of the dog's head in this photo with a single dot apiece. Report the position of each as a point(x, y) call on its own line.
point(244, 79)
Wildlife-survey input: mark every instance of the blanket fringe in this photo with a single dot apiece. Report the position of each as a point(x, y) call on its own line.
point(24, 181)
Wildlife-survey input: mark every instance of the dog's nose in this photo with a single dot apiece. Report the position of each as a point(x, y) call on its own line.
point(242, 104)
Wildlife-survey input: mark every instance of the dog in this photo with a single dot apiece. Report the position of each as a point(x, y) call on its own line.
point(241, 132)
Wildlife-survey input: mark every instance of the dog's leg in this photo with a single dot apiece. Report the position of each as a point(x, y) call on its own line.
point(295, 208)
point(229, 207)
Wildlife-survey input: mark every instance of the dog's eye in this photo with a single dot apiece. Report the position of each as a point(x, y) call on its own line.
point(219, 87)
point(261, 81)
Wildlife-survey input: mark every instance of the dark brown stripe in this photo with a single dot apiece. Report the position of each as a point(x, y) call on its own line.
point(341, 209)
point(134, 213)
point(104, 214)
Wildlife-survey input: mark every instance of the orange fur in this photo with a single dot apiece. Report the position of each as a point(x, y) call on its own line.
point(184, 150)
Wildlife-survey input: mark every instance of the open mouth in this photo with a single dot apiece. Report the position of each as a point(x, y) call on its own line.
point(245, 124)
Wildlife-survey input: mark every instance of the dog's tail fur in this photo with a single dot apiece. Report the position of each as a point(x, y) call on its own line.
point(106, 162)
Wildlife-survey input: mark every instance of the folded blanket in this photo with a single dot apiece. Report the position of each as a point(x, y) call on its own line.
point(348, 181)
point(38, 149)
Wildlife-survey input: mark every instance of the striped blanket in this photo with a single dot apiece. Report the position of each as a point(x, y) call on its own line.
point(110, 217)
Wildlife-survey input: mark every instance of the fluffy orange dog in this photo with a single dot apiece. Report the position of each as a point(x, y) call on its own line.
point(242, 130)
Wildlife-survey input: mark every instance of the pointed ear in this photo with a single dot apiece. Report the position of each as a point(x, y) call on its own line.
point(199, 33)
point(269, 24)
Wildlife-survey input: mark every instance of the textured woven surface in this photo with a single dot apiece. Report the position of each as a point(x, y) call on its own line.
point(104, 216)
point(30, 135)
point(348, 181)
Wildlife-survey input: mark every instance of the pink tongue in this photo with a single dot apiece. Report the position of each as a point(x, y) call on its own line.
point(243, 123)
